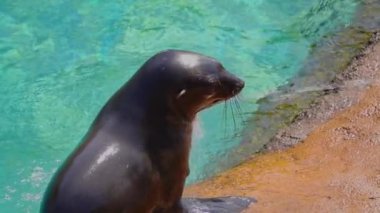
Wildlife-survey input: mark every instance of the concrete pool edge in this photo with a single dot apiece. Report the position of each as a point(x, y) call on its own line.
point(321, 75)
point(346, 88)
point(324, 173)
point(329, 102)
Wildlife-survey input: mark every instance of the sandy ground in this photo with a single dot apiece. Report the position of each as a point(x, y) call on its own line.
point(335, 168)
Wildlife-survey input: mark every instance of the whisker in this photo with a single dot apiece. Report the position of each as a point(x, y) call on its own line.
point(240, 116)
point(238, 97)
point(225, 119)
point(238, 108)
point(233, 116)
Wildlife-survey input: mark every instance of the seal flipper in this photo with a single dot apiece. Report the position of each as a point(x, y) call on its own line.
point(217, 205)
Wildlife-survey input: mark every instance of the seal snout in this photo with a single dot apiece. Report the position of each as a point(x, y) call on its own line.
point(239, 85)
point(231, 84)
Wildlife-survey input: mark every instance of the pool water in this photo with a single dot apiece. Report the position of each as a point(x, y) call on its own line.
point(61, 60)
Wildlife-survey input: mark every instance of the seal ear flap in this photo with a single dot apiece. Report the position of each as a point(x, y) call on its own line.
point(181, 93)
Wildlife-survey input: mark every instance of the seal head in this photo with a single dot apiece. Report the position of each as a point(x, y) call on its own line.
point(187, 81)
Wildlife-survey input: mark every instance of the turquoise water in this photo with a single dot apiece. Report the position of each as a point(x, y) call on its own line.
point(61, 60)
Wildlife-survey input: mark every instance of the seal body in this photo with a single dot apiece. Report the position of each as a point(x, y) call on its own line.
point(134, 157)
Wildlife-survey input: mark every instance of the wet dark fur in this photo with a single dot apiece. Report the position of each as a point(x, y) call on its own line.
point(134, 157)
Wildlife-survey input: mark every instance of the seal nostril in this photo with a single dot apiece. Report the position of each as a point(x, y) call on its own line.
point(240, 84)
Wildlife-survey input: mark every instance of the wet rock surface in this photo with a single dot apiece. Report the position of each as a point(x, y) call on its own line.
point(348, 87)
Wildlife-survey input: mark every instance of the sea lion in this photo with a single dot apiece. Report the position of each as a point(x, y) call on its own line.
point(134, 157)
